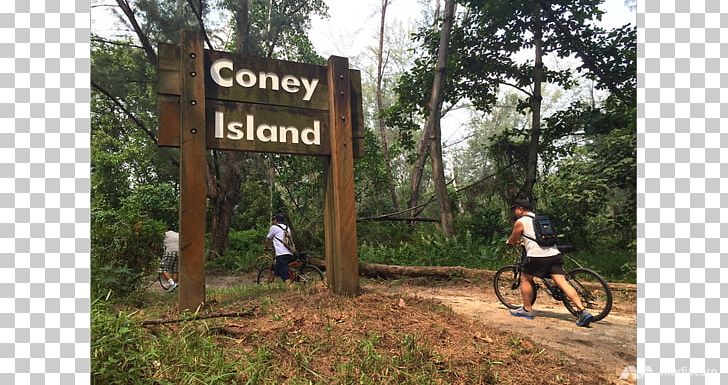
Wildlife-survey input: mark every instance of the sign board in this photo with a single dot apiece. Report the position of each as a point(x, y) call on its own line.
point(257, 104)
point(219, 100)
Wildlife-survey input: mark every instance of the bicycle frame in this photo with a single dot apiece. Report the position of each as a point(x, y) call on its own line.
point(551, 288)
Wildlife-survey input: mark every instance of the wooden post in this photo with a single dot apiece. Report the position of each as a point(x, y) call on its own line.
point(193, 182)
point(342, 271)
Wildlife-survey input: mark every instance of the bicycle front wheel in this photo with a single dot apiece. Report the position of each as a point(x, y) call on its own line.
point(507, 285)
point(265, 275)
point(595, 294)
point(310, 275)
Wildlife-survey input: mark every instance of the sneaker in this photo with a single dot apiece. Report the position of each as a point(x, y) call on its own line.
point(585, 318)
point(521, 312)
point(174, 286)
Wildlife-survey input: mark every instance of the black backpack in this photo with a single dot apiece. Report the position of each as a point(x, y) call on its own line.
point(544, 229)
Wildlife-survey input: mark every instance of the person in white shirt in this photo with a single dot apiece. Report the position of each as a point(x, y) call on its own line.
point(540, 262)
point(276, 234)
point(170, 258)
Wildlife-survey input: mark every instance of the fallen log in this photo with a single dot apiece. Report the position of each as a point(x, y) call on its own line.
point(378, 270)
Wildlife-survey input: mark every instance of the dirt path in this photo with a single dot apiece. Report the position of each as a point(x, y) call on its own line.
point(609, 345)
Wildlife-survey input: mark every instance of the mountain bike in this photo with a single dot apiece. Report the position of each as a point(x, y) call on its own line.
point(595, 294)
point(300, 270)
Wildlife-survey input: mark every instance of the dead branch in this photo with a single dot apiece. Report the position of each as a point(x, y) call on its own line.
point(384, 217)
point(398, 219)
point(143, 38)
point(125, 110)
point(246, 313)
point(198, 15)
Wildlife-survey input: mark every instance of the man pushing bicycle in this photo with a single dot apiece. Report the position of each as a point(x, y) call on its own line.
point(280, 235)
point(541, 261)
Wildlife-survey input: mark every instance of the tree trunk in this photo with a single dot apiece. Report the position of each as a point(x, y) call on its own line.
point(226, 191)
point(378, 270)
point(433, 122)
point(532, 166)
point(242, 25)
point(382, 128)
point(224, 196)
point(418, 168)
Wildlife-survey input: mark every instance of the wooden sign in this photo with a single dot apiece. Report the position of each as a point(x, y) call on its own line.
point(238, 84)
point(218, 100)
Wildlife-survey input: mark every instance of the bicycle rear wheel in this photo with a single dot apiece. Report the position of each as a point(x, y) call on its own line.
point(595, 294)
point(265, 275)
point(163, 282)
point(507, 285)
point(310, 275)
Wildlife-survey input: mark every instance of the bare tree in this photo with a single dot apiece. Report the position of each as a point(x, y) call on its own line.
point(380, 105)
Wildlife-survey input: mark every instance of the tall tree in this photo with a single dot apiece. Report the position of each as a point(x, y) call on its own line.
point(533, 145)
point(410, 101)
point(433, 123)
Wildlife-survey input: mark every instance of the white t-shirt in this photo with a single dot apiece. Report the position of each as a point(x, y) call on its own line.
point(276, 234)
point(533, 249)
point(171, 242)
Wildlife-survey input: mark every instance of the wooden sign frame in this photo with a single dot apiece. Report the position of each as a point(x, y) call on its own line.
point(192, 117)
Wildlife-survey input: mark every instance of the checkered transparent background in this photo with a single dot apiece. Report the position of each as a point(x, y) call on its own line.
point(682, 50)
point(44, 185)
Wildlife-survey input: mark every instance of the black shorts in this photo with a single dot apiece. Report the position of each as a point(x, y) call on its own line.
point(544, 266)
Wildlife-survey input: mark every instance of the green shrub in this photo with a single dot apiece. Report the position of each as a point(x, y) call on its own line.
point(119, 348)
point(242, 253)
point(484, 222)
point(428, 249)
point(373, 232)
point(114, 277)
point(125, 247)
point(126, 241)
